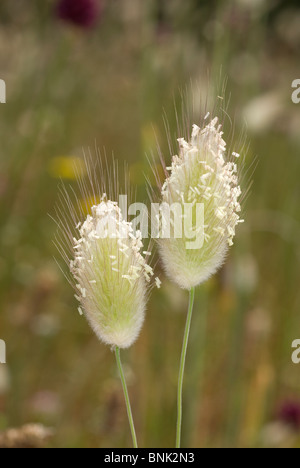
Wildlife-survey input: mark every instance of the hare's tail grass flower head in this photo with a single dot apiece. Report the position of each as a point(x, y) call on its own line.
point(104, 256)
point(110, 275)
point(202, 194)
point(200, 174)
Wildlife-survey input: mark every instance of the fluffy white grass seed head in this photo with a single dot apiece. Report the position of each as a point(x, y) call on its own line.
point(110, 275)
point(200, 174)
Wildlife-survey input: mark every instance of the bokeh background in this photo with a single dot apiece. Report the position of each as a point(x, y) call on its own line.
point(106, 81)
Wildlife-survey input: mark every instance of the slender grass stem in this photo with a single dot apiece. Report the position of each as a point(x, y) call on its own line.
point(182, 366)
point(127, 401)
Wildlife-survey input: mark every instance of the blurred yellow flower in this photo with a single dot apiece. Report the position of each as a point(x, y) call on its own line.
point(67, 167)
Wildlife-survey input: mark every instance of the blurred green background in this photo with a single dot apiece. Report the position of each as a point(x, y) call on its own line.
point(70, 88)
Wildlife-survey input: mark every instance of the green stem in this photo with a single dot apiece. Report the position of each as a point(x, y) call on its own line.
point(127, 401)
point(182, 365)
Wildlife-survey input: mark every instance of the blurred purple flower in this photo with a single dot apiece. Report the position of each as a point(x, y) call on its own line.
point(289, 413)
point(83, 13)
